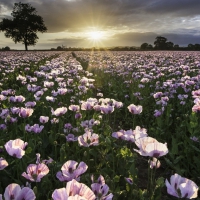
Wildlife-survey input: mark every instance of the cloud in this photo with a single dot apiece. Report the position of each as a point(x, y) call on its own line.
point(175, 8)
point(129, 22)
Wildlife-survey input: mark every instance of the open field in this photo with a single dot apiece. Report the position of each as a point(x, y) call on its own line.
point(80, 116)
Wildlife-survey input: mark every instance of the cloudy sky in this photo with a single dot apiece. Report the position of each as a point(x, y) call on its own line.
point(108, 23)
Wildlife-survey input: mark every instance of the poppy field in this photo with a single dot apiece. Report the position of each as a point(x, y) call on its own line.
point(99, 125)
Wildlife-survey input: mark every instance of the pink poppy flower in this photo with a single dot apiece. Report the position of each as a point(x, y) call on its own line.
point(74, 108)
point(88, 139)
point(3, 163)
point(59, 111)
point(135, 109)
point(2, 97)
point(14, 191)
point(74, 191)
point(107, 109)
point(44, 119)
point(35, 172)
point(88, 105)
point(69, 171)
point(25, 112)
point(181, 187)
point(16, 147)
point(149, 146)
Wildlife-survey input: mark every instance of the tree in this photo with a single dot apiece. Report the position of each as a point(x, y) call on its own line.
point(24, 25)
point(169, 45)
point(59, 48)
point(144, 46)
point(176, 47)
point(160, 43)
point(6, 48)
point(190, 46)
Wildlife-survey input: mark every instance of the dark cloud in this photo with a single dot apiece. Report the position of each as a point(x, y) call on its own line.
point(137, 38)
point(174, 7)
point(135, 21)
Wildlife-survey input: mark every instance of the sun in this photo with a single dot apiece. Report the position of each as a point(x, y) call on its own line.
point(95, 35)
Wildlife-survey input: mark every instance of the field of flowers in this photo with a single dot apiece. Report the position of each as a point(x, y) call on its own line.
point(99, 125)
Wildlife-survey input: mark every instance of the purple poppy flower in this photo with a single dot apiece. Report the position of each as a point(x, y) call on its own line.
point(69, 171)
point(134, 109)
point(74, 108)
point(181, 187)
point(101, 189)
point(78, 115)
point(3, 163)
point(35, 172)
point(15, 110)
point(129, 180)
point(88, 139)
point(107, 109)
point(25, 112)
point(14, 191)
point(71, 138)
point(2, 97)
point(87, 105)
point(30, 104)
point(16, 147)
point(59, 111)
point(3, 126)
point(44, 119)
point(74, 190)
point(149, 146)
point(17, 99)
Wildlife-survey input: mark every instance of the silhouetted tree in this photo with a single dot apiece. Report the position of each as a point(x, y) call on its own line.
point(176, 47)
point(59, 48)
point(160, 43)
point(197, 47)
point(24, 25)
point(6, 48)
point(169, 45)
point(150, 47)
point(144, 46)
point(190, 46)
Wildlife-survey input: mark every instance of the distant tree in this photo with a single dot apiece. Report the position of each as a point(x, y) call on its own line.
point(169, 45)
point(197, 47)
point(176, 47)
point(160, 43)
point(24, 25)
point(59, 48)
point(6, 48)
point(144, 46)
point(190, 46)
point(150, 47)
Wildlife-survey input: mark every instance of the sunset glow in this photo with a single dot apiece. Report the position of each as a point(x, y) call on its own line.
point(95, 35)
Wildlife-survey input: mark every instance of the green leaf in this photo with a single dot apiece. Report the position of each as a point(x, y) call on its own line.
point(29, 150)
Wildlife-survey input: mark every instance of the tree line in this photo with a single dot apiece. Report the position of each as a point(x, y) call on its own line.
point(161, 43)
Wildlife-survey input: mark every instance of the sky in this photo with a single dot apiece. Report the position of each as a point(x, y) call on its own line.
point(110, 23)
